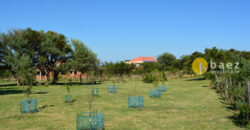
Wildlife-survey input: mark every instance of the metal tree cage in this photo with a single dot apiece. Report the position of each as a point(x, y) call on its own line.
point(155, 93)
point(112, 89)
point(68, 98)
point(135, 101)
point(29, 106)
point(95, 92)
point(89, 121)
point(163, 88)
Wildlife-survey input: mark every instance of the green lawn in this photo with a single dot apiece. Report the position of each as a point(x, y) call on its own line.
point(186, 105)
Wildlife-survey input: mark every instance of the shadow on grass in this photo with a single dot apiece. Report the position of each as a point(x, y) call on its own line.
point(231, 108)
point(78, 83)
point(42, 83)
point(73, 100)
point(6, 92)
point(195, 79)
point(98, 96)
point(8, 85)
point(238, 121)
point(10, 90)
point(39, 92)
point(45, 106)
point(71, 103)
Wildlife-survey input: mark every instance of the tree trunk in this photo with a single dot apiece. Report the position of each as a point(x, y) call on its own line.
point(55, 77)
point(239, 90)
point(231, 81)
point(40, 73)
point(17, 80)
point(47, 77)
point(81, 78)
point(211, 84)
point(234, 84)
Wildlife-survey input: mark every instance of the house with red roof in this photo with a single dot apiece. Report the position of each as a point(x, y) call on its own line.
point(139, 60)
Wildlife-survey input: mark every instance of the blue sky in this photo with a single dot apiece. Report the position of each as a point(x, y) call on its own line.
point(124, 29)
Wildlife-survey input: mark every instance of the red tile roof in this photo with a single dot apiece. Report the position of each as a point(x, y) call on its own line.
point(152, 59)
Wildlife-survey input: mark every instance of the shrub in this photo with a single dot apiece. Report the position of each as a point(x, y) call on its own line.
point(148, 78)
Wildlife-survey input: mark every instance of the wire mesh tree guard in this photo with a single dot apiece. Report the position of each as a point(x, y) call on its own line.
point(90, 121)
point(95, 92)
point(68, 98)
point(163, 88)
point(136, 101)
point(155, 93)
point(29, 106)
point(112, 89)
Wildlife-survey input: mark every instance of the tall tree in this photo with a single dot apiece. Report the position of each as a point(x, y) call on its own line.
point(84, 59)
point(16, 52)
point(215, 54)
point(53, 52)
point(166, 60)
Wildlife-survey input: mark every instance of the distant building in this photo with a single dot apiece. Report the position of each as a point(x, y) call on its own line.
point(40, 75)
point(139, 60)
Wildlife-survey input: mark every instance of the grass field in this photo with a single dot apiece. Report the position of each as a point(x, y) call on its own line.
point(188, 104)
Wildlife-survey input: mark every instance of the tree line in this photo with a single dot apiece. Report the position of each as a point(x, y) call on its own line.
point(23, 51)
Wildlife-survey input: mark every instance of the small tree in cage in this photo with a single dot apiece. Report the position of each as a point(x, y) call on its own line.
point(92, 78)
point(27, 75)
point(135, 101)
point(91, 120)
point(163, 78)
point(28, 105)
point(156, 93)
point(113, 88)
point(68, 96)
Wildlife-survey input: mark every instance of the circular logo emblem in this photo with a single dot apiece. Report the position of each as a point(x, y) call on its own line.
point(199, 65)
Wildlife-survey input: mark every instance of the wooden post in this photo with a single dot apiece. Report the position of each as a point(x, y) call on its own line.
point(135, 86)
point(73, 74)
point(230, 80)
point(239, 90)
point(249, 93)
point(223, 88)
point(234, 83)
point(226, 91)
